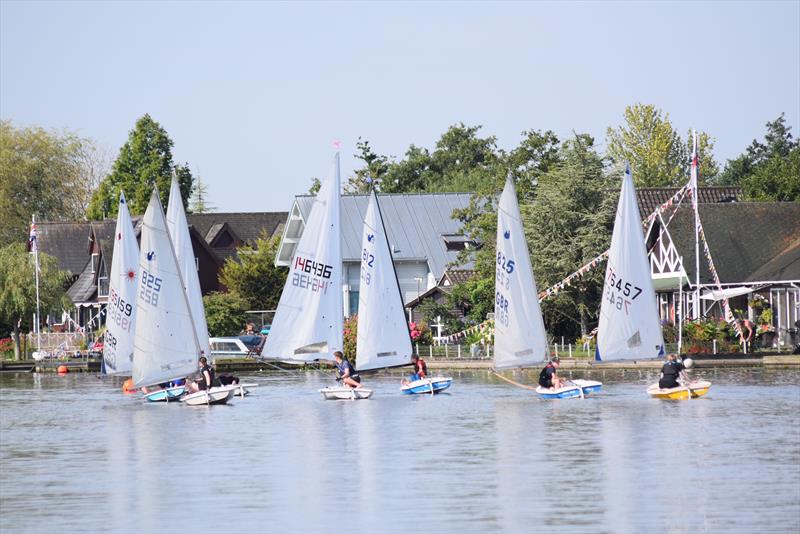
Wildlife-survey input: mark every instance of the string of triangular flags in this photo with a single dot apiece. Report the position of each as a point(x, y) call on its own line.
point(674, 200)
point(481, 327)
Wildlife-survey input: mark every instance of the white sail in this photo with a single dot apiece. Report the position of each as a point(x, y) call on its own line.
point(309, 320)
point(383, 337)
point(178, 228)
point(122, 286)
point(165, 344)
point(519, 336)
point(629, 324)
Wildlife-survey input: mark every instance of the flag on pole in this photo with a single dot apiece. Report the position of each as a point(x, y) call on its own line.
point(694, 168)
point(32, 238)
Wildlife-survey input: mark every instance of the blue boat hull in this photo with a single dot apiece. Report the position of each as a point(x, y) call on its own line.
point(421, 387)
point(165, 395)
point(570, 391)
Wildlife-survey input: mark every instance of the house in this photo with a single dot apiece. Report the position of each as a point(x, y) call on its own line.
point(85, 249)
point(755, 248)
point(424, 238)
point(440, 294)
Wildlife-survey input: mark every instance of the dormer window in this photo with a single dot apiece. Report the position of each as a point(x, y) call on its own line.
point(95, 262)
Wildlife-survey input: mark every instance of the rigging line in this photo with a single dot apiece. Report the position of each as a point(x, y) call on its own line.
point(523, 386)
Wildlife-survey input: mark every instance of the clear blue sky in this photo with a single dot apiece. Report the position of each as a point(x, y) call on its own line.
point(253, 94)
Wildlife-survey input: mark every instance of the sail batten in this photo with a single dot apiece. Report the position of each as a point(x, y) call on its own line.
point(165, 343)
point(310, 311)
point(383, 338)
point(122, 286)
point(520, 338)
point(629, 323)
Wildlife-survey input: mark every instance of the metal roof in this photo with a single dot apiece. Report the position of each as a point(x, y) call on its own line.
point(415, 224)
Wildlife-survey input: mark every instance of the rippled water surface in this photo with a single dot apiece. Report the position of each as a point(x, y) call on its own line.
point(76, 455)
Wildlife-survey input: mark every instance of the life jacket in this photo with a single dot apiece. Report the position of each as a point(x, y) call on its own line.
point(421, 368)
point(544, 379)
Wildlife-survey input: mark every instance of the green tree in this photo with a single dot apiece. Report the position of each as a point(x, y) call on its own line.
point(144, 161)
point(199, 202)
point(371, 174)
point(652, 147)
point(568, 225)
point(254, 276)
point(767, 171)
point(225, 313)
point(44, 173)
point(18, 288)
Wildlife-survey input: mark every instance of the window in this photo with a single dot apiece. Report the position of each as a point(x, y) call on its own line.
point(353, 302)
point(95, 260)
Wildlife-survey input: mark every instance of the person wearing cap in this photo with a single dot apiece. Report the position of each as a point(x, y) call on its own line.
point(670, 372)
point(548, 377)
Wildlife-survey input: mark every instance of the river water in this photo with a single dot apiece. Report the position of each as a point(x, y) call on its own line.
point(76, 455)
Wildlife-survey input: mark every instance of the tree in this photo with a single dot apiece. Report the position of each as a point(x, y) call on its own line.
point(651, 146)
point(371, 174)
point(200, 203)
point(767, 170)
point(18, 288)
point(144, 161)
point(225, 313)
point(568, 225)
point(46, 173)
point(708, 169)
point(254, 276)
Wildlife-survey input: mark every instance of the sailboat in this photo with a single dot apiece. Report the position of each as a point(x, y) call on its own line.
point(165, 345)
point(309, 320)
point(520, 337)
point(122, 286)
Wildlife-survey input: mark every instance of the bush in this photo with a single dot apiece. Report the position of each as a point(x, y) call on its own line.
point(420, 333)
point(350, 337)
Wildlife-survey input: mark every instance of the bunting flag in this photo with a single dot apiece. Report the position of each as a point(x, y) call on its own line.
point(729, 318)
point(487, 327)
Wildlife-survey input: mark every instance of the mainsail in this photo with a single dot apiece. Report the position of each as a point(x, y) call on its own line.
point(519, 336)
point(308, 323)
point(629, 324)
point(165, 344)
point(178, 228)
point(383, 337)
point(122, 286)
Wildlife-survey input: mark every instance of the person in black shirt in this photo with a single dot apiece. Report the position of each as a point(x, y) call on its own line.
point(347, 374)
point(670, 372)
point(548, 377)
point(207, 380)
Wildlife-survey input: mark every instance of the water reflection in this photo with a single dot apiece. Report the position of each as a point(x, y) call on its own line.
point(487, 457)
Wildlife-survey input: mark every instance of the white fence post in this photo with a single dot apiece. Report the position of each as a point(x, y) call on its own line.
point(570, 350)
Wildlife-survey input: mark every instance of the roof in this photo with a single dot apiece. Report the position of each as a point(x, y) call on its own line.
point(247, 226)
point(458, 276)
point(68, 242)
point(649, 198)
point(84, 288)
point(415, 224)
point(749, 241)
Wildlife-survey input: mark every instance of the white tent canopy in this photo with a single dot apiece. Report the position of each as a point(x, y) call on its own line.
point(727, 293)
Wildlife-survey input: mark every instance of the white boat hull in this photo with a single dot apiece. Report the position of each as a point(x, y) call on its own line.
point(218, 395)
point(573, 389)
point(345, 393)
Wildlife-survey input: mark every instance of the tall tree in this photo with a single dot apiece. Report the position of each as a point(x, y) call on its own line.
point(254, 276)
point(767, 170)
point(225, 313)
point(650, 144)
point(144, 161)
point(18, 288)
point(46, 173)
point(372, 172)
point(199, 202)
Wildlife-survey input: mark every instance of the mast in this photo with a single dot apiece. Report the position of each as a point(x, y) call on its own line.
point(35, 250)
point(696, 227)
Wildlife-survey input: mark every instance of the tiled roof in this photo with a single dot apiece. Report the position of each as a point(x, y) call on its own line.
point(749, 241)
point(68, 242)
point(649, 198)
point(415, 224)
point(84, 288)
point(460, 276)
point(247, 226)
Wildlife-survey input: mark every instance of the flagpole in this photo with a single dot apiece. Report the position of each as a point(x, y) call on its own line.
point(696, 227)
point(35, 246)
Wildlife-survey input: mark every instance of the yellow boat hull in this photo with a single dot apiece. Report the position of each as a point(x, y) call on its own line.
point(695, 389)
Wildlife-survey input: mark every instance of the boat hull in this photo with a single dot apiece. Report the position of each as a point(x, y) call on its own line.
point(345, 393)
point(165, 395)
point(218, 395)
point(241, 389)
point(695, 389)
point(574, 389)
point(427, 385)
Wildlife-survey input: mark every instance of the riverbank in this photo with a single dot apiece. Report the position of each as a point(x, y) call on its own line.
point(251, 365)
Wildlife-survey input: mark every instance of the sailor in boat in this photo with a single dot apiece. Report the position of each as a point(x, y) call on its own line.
point(347, 374)
point(548, 377)
point(164, 385)
point(207, 380)
point(670, 372)
point(420, 370)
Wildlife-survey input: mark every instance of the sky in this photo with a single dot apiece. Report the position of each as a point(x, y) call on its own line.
point(254, 94)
